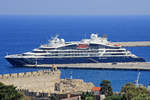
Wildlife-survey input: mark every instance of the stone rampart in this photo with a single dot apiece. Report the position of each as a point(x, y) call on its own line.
point(36, 83)
point(26, 74)
point(44, 83)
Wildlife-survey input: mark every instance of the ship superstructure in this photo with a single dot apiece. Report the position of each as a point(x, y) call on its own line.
point(57, 51)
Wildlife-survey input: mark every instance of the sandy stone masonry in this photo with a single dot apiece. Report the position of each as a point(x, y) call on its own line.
point(26, 74)
point(73, 86)
point(45, 83)
point(40, 81)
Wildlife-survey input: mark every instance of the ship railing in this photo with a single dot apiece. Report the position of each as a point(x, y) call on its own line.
point(14, 55)
point(116, 52)
point(114, 55)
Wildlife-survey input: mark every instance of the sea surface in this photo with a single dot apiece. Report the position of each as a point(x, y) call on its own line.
point(20, 34)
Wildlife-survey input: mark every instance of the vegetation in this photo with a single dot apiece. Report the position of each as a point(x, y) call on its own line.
point(114, 97)
point(53, 97)
point(106, 88)
point(131, 92)
point(141, 97)
point(128, 92)
point(88, 96)
point(26, 97)
point(9, 92)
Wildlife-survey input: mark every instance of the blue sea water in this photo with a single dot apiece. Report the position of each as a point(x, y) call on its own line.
point(20, 34)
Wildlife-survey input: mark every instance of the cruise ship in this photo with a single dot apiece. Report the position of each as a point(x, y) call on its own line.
point(57, 51)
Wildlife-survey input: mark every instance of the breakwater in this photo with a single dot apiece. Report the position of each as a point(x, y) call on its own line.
point(124, 66)
point(133, 44)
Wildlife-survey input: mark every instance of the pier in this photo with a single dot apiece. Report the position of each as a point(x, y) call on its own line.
point(120, 66)
point(134, 44)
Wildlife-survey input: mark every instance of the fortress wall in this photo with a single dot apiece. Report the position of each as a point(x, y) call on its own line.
point(44, 83)
point(36, 83)
point(27, 74)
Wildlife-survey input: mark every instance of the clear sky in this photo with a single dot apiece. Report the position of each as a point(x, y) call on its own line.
point(75, 7)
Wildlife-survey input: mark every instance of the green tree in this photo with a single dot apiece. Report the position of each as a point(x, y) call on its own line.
point(9, 92)
point(114, 97)
point(88, 96)
point(131, 92)
point(141, 97)
point(106, 88)
point(53, 97)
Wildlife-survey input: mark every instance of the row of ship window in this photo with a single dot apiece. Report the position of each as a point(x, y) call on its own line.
point(97, 54)
point(115, 50)
point(115, 54)
point(67, 51)
point(74, 55)
point(64, 55)
point(93, 51)
point(76, 47)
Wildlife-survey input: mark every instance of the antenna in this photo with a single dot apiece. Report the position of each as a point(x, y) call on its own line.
point(57, 35)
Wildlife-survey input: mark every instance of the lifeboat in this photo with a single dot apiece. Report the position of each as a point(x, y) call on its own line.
point(118, 45)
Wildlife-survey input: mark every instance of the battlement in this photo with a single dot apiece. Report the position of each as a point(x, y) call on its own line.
point(29, 74)
point(45, 83)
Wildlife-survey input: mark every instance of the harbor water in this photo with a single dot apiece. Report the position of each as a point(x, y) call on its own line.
point(20, 34)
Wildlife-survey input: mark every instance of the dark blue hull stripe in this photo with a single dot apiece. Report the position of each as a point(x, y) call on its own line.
point(33, 61)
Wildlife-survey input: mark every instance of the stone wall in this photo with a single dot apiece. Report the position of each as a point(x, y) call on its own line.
point(73, 86)
point(26, 74)
point(33, 83)
point(45, 83)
